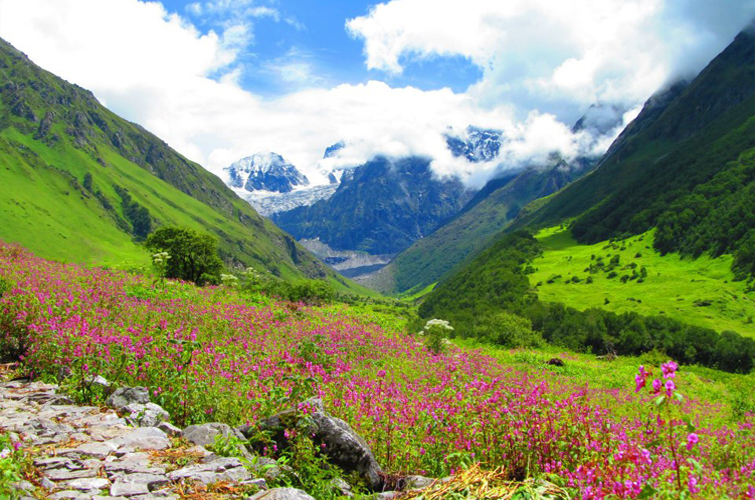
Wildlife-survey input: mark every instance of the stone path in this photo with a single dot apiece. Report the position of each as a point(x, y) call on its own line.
point(84, 451)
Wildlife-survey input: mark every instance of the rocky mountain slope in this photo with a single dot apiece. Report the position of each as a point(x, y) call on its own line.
point(265, 172)
point(382, 208)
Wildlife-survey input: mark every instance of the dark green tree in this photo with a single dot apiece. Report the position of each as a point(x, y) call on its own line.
point(193, 255)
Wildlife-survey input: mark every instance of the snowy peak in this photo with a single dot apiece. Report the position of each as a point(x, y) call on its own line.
point(476, 144)
point(265, 172)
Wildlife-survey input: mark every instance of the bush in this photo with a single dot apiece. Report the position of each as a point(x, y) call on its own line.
point(193, 255)
point(508, 330)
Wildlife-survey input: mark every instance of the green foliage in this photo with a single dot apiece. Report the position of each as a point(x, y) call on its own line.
point(495, 283)
point(137, 215)
point(193, 255)
point(11, 466)
point(508, 330)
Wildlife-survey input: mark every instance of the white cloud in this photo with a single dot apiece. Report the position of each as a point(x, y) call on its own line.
point(554, 55)
point(543, 63)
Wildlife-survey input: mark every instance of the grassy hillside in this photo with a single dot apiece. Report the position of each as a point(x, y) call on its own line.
point(697, 291)
point(491, 211)
point(685, 166)
point(66, 162)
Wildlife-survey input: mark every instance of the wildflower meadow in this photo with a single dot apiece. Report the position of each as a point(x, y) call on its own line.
point(219, 354)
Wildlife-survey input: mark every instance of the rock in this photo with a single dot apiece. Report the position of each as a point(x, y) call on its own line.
point(386, 495)
point(169, 429)
point(96, 450)
point(265, 467)
point(88, 484)
point(417, 482)
point(69, 495)
point(344, 447)
point(23, 486)
point(121, 488)
point(281, 494)
point(125, 396)
point(145, 415)
point(153, 481)
point(46, 483)
point(204, 435)
point(258, 482)
point(99, 380)
point(341, 487)
point(555, 362)
point(223, 469)
point(144, 438)
point(68, 475)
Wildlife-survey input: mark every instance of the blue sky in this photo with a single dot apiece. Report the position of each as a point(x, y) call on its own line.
point(314, 33)
point(219, 80)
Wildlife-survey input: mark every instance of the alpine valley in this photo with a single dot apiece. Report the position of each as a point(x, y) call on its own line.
point(500, 303)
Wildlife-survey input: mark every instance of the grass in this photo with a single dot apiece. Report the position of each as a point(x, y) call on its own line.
point(699, 291)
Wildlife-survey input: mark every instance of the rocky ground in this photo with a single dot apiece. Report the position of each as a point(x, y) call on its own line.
point(82, 452)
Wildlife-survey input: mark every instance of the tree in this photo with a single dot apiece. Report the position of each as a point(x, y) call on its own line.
point(193, 255)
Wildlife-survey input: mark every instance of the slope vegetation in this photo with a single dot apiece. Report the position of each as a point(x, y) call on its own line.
point(488, 213)
point(81, 184)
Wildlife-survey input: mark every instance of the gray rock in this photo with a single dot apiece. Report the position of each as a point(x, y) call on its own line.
point(69, 495)
point(145, 415)
point(265, 467)
point(46, 483)
point(341, 487)
point(281, 494)
point(205, 434)
point(127, 395)
point(417, 482)
point(223, 469)
point(144, 438)
point(87, 484)
point(23, 486)
point(121, 488)
point(169, 429)
point(386, 495)
point(343, 445)
point(68, 475)
point(96, 450)
point(258, 482)
point(153, 481)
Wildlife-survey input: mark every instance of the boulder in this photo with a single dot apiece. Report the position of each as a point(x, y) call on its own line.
point(343, 446)
point(125, 396)
point(205, 434)
point(281, 494)
point(145, 415)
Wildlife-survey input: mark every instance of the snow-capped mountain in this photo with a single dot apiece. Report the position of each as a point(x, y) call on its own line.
point(271, 184)
point(265, 172)
point(476, 144)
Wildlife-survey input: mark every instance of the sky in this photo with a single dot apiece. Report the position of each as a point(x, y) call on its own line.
point(222, 79)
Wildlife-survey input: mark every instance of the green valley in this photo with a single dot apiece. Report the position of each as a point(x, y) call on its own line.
point(699, 291)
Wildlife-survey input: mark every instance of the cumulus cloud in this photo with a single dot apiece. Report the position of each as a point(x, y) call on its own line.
point(544, 63)
point(552, 55)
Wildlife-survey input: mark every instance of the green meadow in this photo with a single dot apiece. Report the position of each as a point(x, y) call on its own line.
point(699, 291)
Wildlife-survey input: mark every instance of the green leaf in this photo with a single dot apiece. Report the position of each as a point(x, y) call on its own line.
point(678, 396)
point(647, 492)
point(659, 400)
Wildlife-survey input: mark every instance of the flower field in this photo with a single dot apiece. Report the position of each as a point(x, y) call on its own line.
point(215, 354)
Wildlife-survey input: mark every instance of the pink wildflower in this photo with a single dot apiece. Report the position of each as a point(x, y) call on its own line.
point(657, 385)
point(692, 440)
point(670, 386)
point(669, 369)
point(692, 484)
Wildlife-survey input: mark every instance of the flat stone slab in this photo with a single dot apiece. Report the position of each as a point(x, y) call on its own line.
point(223, 469)
point(281, 494)
point(144, 438)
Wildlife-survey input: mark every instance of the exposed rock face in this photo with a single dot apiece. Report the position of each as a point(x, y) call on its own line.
point(382, 208)
point(345, 448)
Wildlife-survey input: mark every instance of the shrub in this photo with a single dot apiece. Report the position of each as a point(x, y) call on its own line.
point(508, 330)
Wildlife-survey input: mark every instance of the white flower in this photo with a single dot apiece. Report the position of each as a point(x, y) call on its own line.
point(5, 453)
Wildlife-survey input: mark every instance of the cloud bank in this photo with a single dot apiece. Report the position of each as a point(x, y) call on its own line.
point(544, 62)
